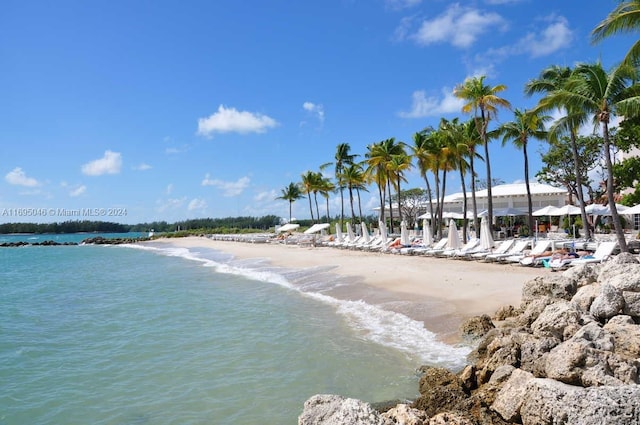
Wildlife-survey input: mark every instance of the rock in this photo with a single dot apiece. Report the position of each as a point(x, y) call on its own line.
point(512, 395)
point(584, 297)
point(557, 320)
point(534, 352)
point(476, 327)
point(585, 274)
point(626, 336)
point(552, 402)
point(440, 390)
point(607, 304)
point(404, 414)
point(632, 304)
point(625, 277)
point(324, 409)
point(449, 419)
point(557, 286)
point(505, 312)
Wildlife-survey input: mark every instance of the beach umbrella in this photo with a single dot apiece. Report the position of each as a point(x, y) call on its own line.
point(427, 236)
point(425, 215)
point(486, 238)
point(383, 230)
point(568, 210)
point(595, 209)
point(365, 232)
point(338, 232)
point(288, 227)
point(548, 210)
point(453, 240)
point(350, 235)
point(404, 234)
point(632, 210)
point(317, 228)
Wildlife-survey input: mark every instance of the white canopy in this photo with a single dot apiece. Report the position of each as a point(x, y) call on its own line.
point(548, 210)
point(317, 227)
point(632, 211)
point(288, 227)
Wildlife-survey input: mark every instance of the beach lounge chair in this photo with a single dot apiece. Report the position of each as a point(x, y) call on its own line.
point(470, 245)
point(502, 248)
point(540, 248)
point(517, 249)
point(437, 248)
point(601, 254)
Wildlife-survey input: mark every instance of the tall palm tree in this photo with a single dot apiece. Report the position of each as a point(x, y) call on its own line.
point(342, 158)
point(603, 94)
point(376, 172)
point(624, 18)
point(471, 138)
point(354, 179)
point(398, 165)
point(483, 101)
point(291, 193)
point(325, 188)
point(551, 80)
point(526, 124)
point(424, 159)
point(378, 158)
point(307, 188)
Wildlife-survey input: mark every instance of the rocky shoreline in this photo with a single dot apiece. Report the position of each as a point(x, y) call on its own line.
point(569, 354)
point(97, 240)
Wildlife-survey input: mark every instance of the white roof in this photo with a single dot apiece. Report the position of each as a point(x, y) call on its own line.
point(512, 189)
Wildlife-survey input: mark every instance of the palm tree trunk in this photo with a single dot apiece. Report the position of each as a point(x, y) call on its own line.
point(353, 213)
point(476, 223)
point(382, 207)
point(328, 216)
point(464, 206)
point(290, 204)
point(438, 217)
point(315, 198)
point(444, 187)
point(400, 201)
point(615, 217)
point(310, 206)
point(526, 183)
point(488, 163)
point(390, 207)
point(579, 193)
point(359, 205)
point(431, 220)
point(341, 205)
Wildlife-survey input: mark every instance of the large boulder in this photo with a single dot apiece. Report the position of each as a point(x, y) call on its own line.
point(403, 414)
point(552, 402)
point(608, 303)
point(326, 409)
point(476, 327)
point(559, 320)
point(557, 286)
point(440, 390)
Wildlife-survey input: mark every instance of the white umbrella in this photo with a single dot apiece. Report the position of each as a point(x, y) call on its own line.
point(425, 215)
point(622, 209)
point(427, 236)
point(568, 210)
point(383, 231)
point(338, 232)
point(595, 209)
point(317, 227)
point(548, 210)
point(632, 211)
point(404, 234)
point(504, 212)
point(350, 234)
point(365, 233)
point(453, 240)
point(288, 227)
point(486, 238)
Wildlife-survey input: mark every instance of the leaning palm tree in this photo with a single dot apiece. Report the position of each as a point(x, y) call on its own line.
point(291, 193)
point(471, 139)
point(483, 101)
point(376, 172)
point(354, 179)
point(378, 158)
point(307, 188)
point(551, 80)
point(399, 164)
point(624, 18)
point(325, 188)
point(342, 159)
point(526, 124)
point(424, 160)
point(603, 94)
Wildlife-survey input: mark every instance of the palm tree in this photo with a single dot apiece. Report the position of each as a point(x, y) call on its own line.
point(399, 163)
point(551, 80)
point(471, 138)
point(525, 125)
point(291, 193)
point(603, 94)
point(376, 172)
point(378, 157)
point(325, 188)
point(307, 188)
point(354, 178)
point(482, 99)
point(342, 159)
point(424, 160)
point(624, 18)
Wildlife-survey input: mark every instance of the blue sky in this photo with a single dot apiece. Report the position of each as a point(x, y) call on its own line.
point(175, 110)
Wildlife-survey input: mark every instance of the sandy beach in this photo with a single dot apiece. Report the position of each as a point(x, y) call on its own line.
point(440, 292)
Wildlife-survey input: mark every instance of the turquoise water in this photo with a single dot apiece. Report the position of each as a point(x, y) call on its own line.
point(124, 335)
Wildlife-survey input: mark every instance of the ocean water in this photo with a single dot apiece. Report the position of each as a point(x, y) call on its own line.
point(165, 335)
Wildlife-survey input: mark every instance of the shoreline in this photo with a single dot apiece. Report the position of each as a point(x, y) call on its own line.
point(439, 292)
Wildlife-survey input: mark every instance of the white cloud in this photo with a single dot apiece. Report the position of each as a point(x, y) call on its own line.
point(228, 120)
point(555, 36)
point(268, 195)
point(169, 188)
point(228, 188)
point(423, 106)
point(458, 25)
point(18, 177)
point(171, 204)
point(402, 4)
point(79, 190)
point(142, 167)
point(197, 204)
point(110, 163)
point(317, 110)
